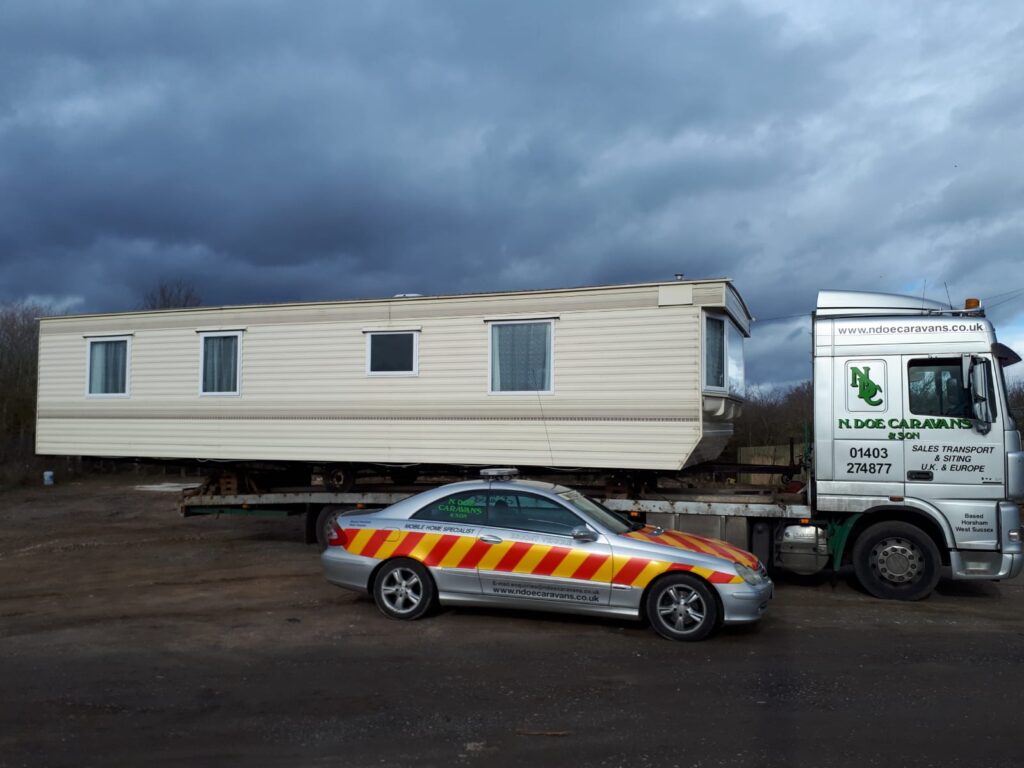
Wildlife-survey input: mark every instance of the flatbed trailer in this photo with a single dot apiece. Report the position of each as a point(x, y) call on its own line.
point(744, 517)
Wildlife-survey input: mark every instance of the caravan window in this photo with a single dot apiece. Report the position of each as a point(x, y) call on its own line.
point(392, 353)
point(521, 357)
point(723, 356)
point(220, 356)
point(108, 366)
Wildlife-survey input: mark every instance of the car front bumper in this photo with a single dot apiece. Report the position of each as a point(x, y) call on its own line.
point(744, 603)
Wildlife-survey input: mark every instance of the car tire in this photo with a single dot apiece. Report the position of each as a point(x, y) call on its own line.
point(403, 589)
point(682, 607)
point(896, 561)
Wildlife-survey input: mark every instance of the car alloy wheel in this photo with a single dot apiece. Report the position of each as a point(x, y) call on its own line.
point(682, 607)
point(403, 590)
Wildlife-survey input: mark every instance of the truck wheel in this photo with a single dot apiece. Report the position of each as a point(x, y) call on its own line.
point(339, 477)
point(681, 607)
point(896, 561)
point(403, 589)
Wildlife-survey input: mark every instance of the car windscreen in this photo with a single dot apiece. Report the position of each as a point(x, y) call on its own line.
point(613, 522)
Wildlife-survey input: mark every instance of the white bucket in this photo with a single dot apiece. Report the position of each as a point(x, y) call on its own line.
point(48, 477)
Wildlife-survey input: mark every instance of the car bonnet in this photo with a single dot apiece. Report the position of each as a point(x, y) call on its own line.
point(693, 543)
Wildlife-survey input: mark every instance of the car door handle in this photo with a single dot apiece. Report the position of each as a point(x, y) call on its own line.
point(490, 539)
point(919, 475)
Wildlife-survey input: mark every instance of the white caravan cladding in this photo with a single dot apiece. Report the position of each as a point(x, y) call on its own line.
point(644, 376)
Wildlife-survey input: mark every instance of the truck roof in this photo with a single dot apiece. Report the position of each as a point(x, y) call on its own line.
point(847, 303)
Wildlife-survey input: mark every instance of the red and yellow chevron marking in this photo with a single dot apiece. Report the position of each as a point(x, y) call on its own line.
point(450, 551)
point(693, 543)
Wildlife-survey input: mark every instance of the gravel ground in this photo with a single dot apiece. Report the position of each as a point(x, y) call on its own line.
point(131, 636)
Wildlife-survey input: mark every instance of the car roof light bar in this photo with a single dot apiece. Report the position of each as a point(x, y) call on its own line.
point(499, 473)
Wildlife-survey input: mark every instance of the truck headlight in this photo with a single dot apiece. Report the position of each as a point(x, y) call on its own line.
point(749, 575)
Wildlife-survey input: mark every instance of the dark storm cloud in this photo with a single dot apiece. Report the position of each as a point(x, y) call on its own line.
point(274, 151)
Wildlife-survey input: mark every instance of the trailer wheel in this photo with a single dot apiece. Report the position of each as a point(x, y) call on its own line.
point(681, 607)
point(339, 477)
point(324, 524)
point(403, 589)
point(896, 561)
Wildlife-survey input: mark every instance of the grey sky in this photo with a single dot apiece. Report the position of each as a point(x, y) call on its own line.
point(273, 151)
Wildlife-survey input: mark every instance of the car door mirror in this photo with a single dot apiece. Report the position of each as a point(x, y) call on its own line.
point(583, 534)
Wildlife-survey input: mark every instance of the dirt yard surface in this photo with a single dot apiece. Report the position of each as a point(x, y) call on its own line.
point(132, 636)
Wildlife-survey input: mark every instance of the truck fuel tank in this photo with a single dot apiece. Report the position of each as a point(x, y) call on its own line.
point(801, 549)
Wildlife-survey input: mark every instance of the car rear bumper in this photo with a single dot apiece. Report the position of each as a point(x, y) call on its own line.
point(346, 570)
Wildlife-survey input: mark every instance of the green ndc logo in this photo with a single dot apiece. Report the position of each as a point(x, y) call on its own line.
point(867, 390)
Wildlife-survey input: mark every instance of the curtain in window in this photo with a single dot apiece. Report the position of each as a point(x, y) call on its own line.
point(521, 357)
point(220, 364)
point(714, 353)
point(108, 367)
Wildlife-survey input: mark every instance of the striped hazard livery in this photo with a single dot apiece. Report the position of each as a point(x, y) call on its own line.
point(454, 551)
point(694, 543)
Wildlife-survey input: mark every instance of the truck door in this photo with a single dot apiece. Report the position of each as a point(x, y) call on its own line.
point(866, 398)
point(954, 460)
point(533, 557)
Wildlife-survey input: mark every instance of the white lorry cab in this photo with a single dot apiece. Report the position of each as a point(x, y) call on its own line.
point(917, 458)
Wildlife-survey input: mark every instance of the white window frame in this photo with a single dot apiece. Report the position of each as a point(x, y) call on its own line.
point(415, 333)
point(203, 335)
point(726, 322)
point(490, 357)
point(127, 366)
point(724, 388)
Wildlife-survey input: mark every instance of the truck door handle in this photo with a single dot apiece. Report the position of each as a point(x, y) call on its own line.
point(919, 475)
point(490, 539)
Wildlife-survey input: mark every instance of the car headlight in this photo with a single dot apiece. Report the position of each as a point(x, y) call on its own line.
point(749, 575)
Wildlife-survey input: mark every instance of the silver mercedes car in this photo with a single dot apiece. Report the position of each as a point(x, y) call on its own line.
point(501, 542)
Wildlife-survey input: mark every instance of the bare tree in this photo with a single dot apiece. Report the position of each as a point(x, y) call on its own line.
point(773, 416)
point(19, 352)
point(171, 294)
point(1015, 392)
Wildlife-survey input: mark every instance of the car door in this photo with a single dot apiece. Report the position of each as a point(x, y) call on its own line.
point(444, 536)
point(531, 555)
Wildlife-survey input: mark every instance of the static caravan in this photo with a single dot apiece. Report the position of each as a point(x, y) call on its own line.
point(630, 377)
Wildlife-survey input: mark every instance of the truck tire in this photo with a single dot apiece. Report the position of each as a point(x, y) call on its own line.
point(896, 561)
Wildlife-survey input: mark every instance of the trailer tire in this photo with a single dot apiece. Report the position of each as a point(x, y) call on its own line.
point(324, 523)
point(896, 561)
point(403, 589)
point(339, 477)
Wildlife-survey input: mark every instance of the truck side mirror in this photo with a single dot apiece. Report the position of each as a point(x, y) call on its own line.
point(981, 391)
